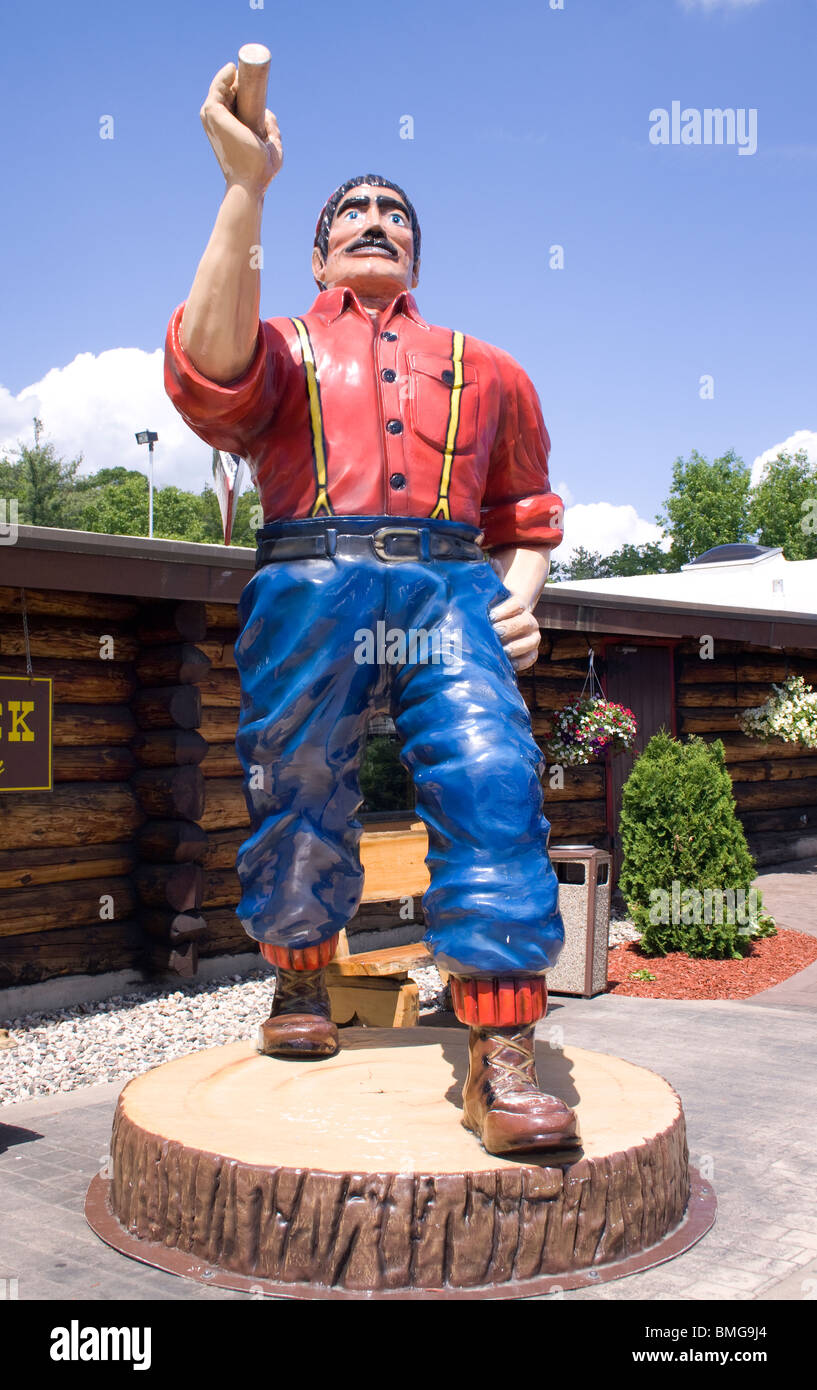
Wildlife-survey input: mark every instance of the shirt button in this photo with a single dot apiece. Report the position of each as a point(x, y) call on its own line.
point(389, 337)
point(448, 378)
point(398, 480)
point(388, 375)
point(395, 426)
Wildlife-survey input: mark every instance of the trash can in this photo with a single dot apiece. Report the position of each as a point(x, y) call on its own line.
point(584, 899)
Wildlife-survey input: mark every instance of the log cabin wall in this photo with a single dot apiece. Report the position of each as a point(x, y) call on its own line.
point(130, 860)
point(68, 904)
point(775, 785)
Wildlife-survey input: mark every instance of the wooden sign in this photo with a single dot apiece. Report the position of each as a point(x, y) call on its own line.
point(25, 734)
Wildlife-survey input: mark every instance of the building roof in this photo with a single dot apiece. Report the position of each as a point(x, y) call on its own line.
point(763, 581)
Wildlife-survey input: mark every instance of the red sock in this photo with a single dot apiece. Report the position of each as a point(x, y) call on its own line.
point(501, 1001)
point(308, 958)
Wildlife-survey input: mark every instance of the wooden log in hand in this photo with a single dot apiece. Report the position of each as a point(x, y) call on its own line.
point(251, 96)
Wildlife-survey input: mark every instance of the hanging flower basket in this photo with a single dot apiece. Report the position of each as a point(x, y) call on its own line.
point(789, 714)
point(588, 728)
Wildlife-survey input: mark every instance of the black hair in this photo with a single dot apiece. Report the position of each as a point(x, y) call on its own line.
point(331, 206)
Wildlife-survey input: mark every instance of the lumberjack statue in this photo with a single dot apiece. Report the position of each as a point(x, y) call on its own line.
point(402, 471)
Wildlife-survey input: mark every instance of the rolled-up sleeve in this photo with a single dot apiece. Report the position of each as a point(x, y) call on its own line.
point(518, 506)
point(225, 416)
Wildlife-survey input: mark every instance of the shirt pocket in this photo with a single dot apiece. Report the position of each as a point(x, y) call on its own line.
point(443, 414)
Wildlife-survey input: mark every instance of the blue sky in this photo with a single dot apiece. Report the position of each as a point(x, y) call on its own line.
point(531, 129)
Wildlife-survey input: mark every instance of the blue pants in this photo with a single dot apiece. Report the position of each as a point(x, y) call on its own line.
point(311, 679)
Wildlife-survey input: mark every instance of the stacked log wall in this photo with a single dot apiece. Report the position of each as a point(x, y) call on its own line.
point(168, 783)
point(774, 784)
point(225, 818)
point(67, 898)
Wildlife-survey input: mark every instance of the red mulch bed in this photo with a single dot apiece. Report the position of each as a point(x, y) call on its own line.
point(771, 959)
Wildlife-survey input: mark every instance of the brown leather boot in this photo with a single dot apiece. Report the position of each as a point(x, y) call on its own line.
point(299, 1025)
point(502, 1103)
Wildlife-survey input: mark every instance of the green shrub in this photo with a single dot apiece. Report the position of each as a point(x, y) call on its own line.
point(384, 782)
point(685, 858)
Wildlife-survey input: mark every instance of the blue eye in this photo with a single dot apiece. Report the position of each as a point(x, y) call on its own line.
point(351, 213)
point(398, 218)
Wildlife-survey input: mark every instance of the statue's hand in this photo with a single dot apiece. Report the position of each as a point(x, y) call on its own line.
point(518, 631)
point(244, 158)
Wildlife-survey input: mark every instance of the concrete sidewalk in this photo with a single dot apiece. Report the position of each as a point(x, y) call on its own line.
point(746, 1071)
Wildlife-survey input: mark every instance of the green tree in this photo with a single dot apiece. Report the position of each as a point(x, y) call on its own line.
point(40, 480)
point(384, 781)
point(117, 506)
point(638, 559)
point(783, 508)
point(681, 839)
point(583, 564)
point(708, 505)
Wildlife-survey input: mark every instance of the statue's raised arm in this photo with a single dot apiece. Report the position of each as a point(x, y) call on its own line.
point(220, 322)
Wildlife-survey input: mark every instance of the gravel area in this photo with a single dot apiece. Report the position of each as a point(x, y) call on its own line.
point(115, 1039)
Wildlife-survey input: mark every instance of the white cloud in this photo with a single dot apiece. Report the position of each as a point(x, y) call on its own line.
point(801, 439)
point(604, 527)
point(94, 406)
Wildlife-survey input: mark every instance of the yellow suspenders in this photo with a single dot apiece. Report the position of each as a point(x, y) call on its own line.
point(313, 391)
point(442, 509)
point(322, 503)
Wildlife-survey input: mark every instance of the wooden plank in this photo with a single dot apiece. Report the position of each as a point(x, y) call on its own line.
point(221, 760)
point(221, 615)
point(69, 605)
point(218, 725)
point(220, 689)
point(20, 868)
point(48, 907)
point(80, 682)
point(93, 764)
point(74, 813)
point(80, 726)
point(70, 640)
point(218, 648)
point(763, 796)
point(393, 862)
point(705, 721)
point(738, 695)
point(34, 956)
point(783, 770)
point(224, 804)
point(221, 888)
point(391, 961)
point(377, 1003)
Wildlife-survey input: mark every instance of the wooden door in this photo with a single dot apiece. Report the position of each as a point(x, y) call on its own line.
point(640, 678)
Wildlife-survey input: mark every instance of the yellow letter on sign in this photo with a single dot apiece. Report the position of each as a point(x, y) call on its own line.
point(19, 711)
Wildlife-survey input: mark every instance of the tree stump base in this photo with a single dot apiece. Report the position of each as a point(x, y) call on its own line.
point(353, 1177)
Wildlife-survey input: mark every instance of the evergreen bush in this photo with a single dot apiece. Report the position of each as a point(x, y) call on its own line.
point(687, 870)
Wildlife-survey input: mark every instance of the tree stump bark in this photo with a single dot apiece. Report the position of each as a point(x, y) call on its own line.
point(355, 1175)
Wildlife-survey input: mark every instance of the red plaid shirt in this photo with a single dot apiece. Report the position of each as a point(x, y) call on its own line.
point(339, 413)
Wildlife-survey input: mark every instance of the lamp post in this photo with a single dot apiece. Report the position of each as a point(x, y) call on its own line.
point(149, 437)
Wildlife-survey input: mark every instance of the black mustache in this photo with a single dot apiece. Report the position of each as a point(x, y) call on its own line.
point(379, 243)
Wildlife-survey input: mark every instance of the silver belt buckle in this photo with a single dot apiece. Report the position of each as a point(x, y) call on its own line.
point(380, 536)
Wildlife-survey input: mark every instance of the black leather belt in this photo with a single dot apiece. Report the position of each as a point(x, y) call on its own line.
point(318, 540)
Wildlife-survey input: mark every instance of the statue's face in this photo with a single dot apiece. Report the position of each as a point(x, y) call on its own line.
point(371, 246)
